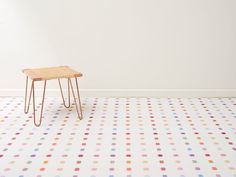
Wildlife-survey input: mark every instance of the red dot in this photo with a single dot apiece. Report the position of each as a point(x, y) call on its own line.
point(42, 169)
point(214, 168)
point(77, 169)
point(163, 168)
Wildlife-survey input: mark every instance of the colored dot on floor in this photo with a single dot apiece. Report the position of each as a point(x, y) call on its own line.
point(214, 168)
point(42, 169)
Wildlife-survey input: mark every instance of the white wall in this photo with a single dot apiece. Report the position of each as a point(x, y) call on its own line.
point(161, 46)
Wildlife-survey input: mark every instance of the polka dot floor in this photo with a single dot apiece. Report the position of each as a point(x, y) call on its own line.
point(120, 137)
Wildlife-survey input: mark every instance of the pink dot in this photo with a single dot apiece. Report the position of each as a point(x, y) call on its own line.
point(7, 169)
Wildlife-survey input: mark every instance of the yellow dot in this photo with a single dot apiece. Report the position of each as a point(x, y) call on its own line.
point(45, 162)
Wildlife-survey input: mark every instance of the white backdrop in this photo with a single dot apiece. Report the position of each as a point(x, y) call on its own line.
point(125, 47)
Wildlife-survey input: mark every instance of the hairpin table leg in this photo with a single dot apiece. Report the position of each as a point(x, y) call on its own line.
point(79, 110)
point(62, 95)
point(26, 107)
point(41, 112)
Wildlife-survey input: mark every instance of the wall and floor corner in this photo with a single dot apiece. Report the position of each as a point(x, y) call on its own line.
point(124, 48)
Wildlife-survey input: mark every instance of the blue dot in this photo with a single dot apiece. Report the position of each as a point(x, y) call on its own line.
point(200, 176)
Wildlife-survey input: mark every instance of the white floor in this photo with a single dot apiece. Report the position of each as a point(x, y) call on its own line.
point(120, 137)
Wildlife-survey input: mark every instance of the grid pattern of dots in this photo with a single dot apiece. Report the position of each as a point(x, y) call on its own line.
point(120, 137)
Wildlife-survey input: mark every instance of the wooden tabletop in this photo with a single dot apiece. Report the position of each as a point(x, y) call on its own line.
point(39, 74)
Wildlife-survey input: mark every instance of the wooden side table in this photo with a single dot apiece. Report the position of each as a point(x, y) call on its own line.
point(44, 74)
